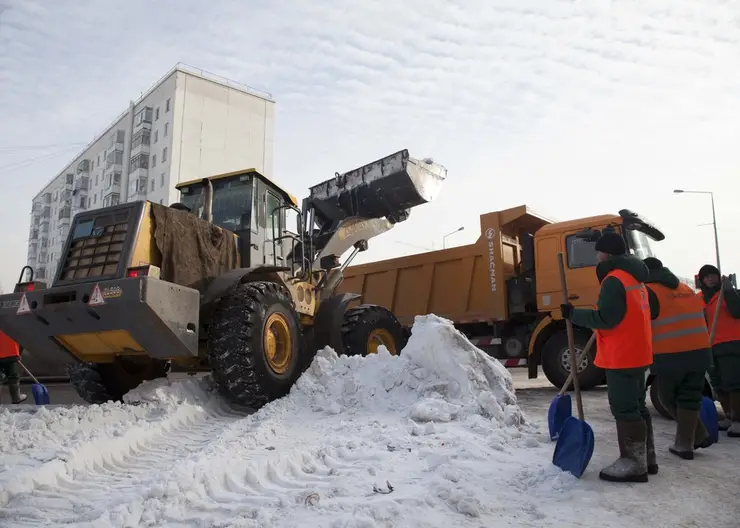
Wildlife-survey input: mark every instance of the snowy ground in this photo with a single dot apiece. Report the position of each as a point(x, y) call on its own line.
point(440, 423)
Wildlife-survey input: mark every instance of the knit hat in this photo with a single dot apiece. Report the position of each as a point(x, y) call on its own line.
point(707, 269)
point(653, 263)
point(611, 243)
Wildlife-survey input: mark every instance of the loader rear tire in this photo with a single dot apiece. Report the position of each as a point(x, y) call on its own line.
point(367, 326)
point(98, 383)
point(255, 347)
point(556, 360)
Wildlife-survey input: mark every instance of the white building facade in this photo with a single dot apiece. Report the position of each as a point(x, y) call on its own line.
point(189, 125)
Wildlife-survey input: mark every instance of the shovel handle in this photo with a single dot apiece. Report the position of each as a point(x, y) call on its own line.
point(28, 372)
point(720, 299)
point(571, 340)
point(585, 351)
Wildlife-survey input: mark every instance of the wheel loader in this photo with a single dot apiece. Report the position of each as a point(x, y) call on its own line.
point(219, 280)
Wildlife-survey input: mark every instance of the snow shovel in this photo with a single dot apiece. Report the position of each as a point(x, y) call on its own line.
point(575, 445)
point(708, 410)
point(40, 394)
point(561, 406)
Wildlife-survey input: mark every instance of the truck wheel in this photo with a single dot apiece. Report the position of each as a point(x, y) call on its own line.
point(255, 344)
point(103, 382)
point(655, 400)
point(556, 360)
point(368, 326)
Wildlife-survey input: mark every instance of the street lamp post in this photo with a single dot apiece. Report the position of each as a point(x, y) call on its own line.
point(714, 222)
point(444, 238)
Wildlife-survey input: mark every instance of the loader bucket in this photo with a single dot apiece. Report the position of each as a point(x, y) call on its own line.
point(388, 187)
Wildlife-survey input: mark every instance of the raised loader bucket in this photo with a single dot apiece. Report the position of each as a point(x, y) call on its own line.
point(388, 187)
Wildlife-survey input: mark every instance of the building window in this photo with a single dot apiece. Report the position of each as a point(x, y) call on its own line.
point(161, 180)
point(156, 136)
point(154, 160)
point(581, 252)
point(156, 114)
point(161, 201)
point(167, 106)
point(95, 198)
point(154, 181)
point(164, 154)
point(166, 129)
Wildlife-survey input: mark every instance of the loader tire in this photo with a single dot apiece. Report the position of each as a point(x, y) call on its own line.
point(367, 326)
point(556, 360)
point(255, 346)
point(104, 382)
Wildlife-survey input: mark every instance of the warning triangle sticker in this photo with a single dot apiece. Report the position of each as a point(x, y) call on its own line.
point(23, 307)
point(96, 298)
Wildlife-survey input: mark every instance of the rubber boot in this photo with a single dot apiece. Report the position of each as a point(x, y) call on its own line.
point(15, 393)
point(724, 401)
point(701, 436)
point(631, 466)
point(652, 459)
point(734, 430)
point(683, 445)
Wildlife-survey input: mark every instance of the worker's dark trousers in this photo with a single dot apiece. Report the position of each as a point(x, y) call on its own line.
point(626, 390)
point(9, 370)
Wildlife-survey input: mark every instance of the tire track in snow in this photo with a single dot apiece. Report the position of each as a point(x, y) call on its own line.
point(146, 472)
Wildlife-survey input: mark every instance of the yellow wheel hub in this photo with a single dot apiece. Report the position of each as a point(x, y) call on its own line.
point(381, 336)
point(278, 343)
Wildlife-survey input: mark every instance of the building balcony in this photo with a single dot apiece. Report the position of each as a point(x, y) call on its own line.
point(82, 183)
point(36, 207)
point(33, 234)
point(138, 184)
point(113, 198)
point(83, 166)
point(69, 180)
point(46, 213)
point(46, 198)
point(41, 273)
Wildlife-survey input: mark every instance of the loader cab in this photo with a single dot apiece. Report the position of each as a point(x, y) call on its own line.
point(249, 205)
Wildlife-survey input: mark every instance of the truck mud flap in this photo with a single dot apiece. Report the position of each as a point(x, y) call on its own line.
point(388, 187)
point(97, 321)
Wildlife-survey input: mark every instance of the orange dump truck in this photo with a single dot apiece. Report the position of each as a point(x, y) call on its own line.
point(504, 291)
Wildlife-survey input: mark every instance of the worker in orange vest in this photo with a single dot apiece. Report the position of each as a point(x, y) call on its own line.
point(624, 349)
point(681, 356)
point(10, 353)
point(726, 347)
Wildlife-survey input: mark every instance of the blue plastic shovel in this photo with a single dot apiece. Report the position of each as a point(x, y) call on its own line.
point(40, 394)
point(575, 445)
point(561, 407)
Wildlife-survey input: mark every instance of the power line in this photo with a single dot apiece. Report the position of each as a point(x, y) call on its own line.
point(28, 161)
point(22, 148)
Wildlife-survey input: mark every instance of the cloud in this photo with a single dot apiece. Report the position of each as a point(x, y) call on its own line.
point(575, 108)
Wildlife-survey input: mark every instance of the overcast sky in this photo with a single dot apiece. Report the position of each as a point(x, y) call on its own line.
point(572, 107)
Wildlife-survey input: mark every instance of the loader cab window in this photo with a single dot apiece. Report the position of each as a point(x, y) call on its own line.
point(232, 202)
point(581, 252)
point(273, 202)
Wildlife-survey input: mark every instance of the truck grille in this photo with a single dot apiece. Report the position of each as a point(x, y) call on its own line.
point(96, 247)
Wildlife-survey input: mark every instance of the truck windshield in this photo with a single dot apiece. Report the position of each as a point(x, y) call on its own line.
point(639, 243)
point(232, 202)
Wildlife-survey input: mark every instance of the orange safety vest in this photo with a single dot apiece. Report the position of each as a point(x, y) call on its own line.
point(681, 326)
point(629, 344)
point(8, 347)
point(728, 328)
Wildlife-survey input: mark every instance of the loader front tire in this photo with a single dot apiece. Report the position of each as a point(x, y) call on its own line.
point(255, 344)
point(368, 326)
point(98, 383)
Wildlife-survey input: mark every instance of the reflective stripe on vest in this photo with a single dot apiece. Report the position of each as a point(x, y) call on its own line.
point(728, 328)
point(681, 326)
point(629, 344)
point(8, 347)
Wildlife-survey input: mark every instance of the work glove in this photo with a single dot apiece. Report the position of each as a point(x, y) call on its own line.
point(566, 310)
point(727, 284)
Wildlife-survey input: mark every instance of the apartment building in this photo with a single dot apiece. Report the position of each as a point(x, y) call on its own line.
point(190, 124)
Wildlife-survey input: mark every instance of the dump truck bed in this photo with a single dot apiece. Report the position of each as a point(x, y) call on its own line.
point(464, 284)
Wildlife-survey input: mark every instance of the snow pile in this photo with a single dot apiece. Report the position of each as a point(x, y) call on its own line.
point(432, 437)
point(439, 377)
